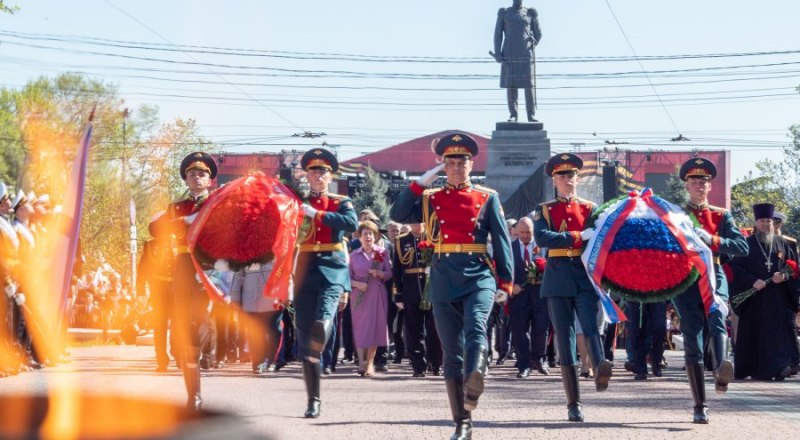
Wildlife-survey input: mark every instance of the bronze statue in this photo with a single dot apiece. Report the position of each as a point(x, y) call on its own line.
point(515, 38)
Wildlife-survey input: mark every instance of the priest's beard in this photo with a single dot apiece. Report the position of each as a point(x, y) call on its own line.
point(765, 238)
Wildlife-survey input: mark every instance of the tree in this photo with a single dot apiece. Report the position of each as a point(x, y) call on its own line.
point(753, 191)
point(8, 9)
point(40, 125)
point(373, 195)
point(676, 189)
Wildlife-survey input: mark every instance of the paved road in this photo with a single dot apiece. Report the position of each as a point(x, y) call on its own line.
point(395, 406)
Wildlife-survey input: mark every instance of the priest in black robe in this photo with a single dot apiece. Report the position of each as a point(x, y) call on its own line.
point(763, 345)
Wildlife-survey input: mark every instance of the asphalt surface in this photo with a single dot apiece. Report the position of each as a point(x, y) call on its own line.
point(394, 405)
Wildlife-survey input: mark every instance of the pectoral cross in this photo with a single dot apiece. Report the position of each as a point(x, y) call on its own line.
point(769, 265)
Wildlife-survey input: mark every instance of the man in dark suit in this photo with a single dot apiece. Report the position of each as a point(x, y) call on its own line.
point(529, 319)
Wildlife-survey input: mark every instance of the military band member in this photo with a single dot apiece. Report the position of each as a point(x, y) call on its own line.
point(190, 299)
point(720, 233)
point(460, 217)
point(409, 282)
point(321, 277)
point(560, 227)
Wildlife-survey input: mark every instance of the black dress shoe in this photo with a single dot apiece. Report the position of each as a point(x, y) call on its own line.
point(219, 365)
point(419, 374)
point(381, 368)
point(541, 368)
point(195, 403)
point(437, 371)
point(260, 369)
point(628, 366)
point(279, 365)
point(312, 412)
point(574, 413)
point(500, 361)
point(523, 373)
point(551, 363)
point(657, 372)
point(640, 376)
point(205, 363)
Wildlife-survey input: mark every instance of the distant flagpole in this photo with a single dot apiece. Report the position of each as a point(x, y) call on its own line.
point(66, 244)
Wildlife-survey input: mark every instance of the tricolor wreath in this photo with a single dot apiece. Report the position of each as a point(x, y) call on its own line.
point(645, 250)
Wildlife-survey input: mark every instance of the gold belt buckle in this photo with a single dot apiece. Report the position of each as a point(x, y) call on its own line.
point(316, 247)
point(458, 247)
point(569, 253)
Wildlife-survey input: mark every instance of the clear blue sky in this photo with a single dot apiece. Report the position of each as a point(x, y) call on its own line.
point(746, 109)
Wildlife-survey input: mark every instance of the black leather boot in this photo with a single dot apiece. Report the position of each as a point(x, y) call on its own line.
point(697, 384)
point(723, 367)
point(320, 332)
point(311, 376)
point(473, 387)
point(191, 378)
point(462, 417)
point(569, 375)
point(602, 367)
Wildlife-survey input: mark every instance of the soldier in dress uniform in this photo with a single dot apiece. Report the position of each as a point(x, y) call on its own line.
point(322, 278)
point(154, 274)
point(409, 282)
point(464, 281)
point(720, 233)
point(191, 302)
point(559, 225)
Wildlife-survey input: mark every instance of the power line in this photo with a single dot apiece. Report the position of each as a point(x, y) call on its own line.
point(247, 70)
point(317, 56)
point(641, 66)
point(222, 77)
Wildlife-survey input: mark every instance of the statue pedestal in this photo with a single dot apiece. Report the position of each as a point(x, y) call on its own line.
point(516, 151)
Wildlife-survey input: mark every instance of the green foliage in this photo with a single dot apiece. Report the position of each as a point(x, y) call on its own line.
point(373, 196)
point(676, 190)
point(4, 8)
point(40, 125)
point(756, 190)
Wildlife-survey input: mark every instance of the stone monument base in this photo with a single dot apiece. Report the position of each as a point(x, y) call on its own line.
point(515, 152)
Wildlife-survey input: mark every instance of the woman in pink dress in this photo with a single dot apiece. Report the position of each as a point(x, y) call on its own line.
point(369, 269)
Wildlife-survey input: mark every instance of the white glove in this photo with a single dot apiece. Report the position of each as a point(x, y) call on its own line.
point(227, 299)
point(587, 234)
point(309, 211)
point(189, 219)
point(703, 234)
point(501, 296)
point(11, 290)
point(399, 306)
point(20, 299)
point(430, 176)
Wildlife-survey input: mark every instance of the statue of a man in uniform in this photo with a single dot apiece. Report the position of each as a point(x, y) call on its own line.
point(516, 35)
